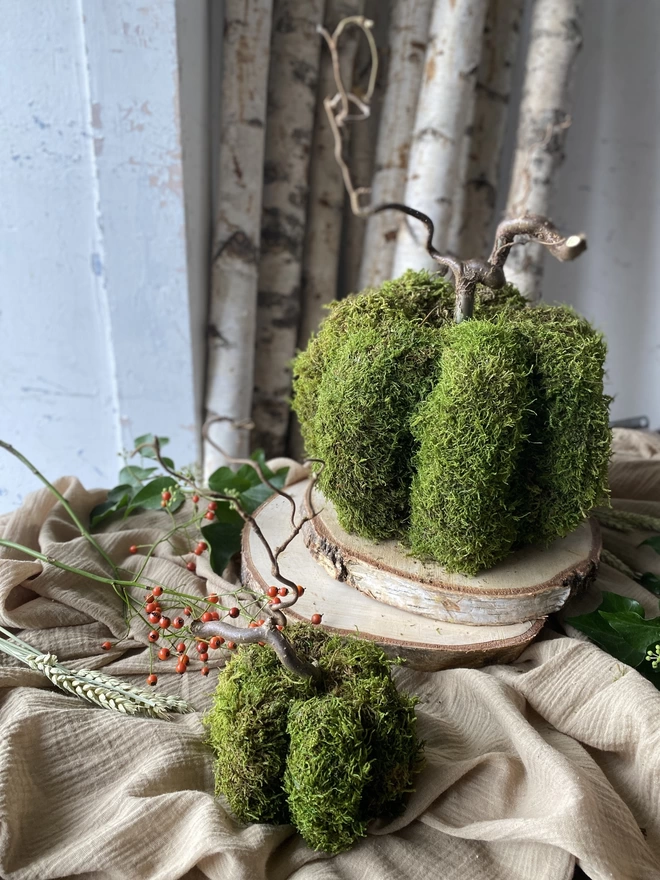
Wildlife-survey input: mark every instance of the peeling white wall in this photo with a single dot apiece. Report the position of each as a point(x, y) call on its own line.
point(100, 297)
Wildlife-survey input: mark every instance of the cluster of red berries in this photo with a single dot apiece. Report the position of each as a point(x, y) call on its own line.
point(163, 625)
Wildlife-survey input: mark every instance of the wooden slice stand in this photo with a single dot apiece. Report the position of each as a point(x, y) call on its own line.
point(529, 584)
point(425, 643)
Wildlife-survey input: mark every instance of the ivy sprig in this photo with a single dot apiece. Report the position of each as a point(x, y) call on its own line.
point(142, 488)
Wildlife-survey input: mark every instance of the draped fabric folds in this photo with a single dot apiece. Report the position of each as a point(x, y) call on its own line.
point(529, 767)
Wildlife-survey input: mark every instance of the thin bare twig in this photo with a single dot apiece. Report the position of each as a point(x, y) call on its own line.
point(295, 527)
point(537, 229)
point(249, 461)
point(235, 503)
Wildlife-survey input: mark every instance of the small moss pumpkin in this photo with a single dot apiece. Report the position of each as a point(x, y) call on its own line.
point(328, 756)
point(463, 440)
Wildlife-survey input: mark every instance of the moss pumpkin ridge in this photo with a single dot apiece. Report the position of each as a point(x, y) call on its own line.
point(471, 432)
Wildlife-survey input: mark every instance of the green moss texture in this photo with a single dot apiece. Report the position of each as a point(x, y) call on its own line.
point(327, 756)
point(566, 460)
point(463, 443)
point(470, 432)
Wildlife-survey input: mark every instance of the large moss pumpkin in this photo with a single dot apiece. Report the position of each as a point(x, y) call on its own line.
point(463, 440)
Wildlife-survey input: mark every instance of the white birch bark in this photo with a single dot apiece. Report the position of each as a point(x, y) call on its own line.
point(234, 273)
point(326, 196)
point(408, 37)
point(474, 235)
point(444, 109)
point(555, 40)
point(292, 87)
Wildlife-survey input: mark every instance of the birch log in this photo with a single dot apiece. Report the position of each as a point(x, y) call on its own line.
point(326, 196)
point(555, 40)
point(234, 273)
point(408, 36)
point(292, 86)
point(444, 109)
point(473, 226)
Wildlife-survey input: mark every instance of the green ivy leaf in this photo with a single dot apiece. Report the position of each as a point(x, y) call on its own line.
point(614, 603)
point(223, 536)
point(638, 632)
point(256, 495)
point(134, 476)
point(149, 496)
point(653, 542)
point(246, 477)
point(599, 631)
point(222, 480)
point(117, 498)
point(150, 438)
point(620, 628)
point(651, 582)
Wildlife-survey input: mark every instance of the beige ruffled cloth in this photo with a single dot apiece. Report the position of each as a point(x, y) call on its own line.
point(531, 767)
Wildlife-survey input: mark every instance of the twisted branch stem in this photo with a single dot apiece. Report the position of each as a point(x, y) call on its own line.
point(273, 555)
point(267, 633)
point(467, 273)
point(343, 100)
point(539, 229)
point(243, 461)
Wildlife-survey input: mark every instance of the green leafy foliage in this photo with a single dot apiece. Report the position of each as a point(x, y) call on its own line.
point(653, 542)
point(223, 535)
point(651, 582)
point(620, 627)
point(328, 755)
point(374, 405)
point(139, 489)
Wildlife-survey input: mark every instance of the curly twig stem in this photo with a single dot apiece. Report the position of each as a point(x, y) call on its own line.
point(273, 555)
point(467, 273)
point(267, 633)
point(235, 503)
point(536, 228)
point(249, 461)
point(337, 108)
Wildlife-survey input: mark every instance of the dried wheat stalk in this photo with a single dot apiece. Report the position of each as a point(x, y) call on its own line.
point(93, 686)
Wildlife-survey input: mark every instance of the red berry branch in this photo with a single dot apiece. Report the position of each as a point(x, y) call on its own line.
point(174, 619)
